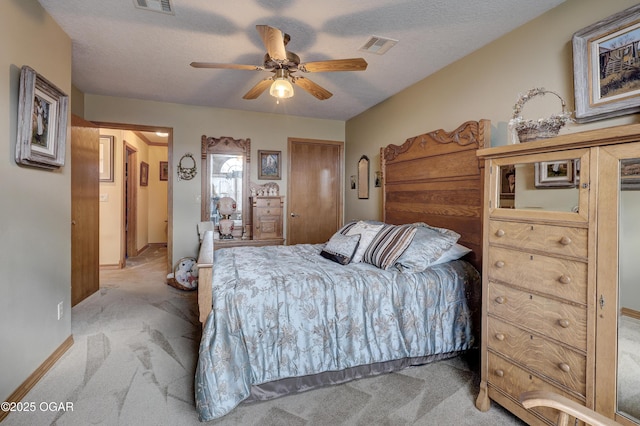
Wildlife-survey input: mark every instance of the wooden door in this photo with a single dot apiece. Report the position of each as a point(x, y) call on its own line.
point(315, 190)
point(85, 140)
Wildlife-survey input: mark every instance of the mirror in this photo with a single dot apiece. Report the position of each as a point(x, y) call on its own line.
point(363, 177)
point(545, 185)
point(225, 165)
point(628, 382)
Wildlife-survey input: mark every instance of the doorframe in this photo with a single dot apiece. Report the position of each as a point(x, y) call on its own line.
point(145, 128)
point(129, 230)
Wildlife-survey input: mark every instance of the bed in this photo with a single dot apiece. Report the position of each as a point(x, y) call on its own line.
point(377, 297)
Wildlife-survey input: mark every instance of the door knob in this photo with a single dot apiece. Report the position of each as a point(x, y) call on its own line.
point(294, 215)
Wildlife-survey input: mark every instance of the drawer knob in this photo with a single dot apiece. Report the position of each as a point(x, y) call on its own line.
point(268, 203)
point(501, 300)
point(500, 336)
point(564, 323)
point(268, 211)
point(500, 233)
point(564, 279)
point(565, 241)
point(500, 373)
point(499, 264)
point(564, 367)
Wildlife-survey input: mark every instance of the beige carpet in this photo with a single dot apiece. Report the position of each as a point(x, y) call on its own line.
point(135, 354)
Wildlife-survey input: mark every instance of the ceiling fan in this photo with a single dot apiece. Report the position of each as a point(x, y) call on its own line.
point(284, 64)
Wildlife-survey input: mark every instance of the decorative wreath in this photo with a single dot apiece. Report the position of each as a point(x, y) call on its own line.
point(187, 173)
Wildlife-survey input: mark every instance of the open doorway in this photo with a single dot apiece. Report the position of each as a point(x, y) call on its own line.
point(135, 212)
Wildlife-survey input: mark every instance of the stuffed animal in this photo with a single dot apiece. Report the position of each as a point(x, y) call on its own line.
point(185, 275)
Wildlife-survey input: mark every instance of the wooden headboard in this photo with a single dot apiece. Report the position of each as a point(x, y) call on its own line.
point(437, 179)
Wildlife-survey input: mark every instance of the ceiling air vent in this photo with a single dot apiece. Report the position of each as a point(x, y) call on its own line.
point(162, 6)
point(378, 45)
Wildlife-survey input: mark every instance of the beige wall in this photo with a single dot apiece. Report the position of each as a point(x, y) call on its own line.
point(189, 123)
point(35, 213)
point(157, 211)
point(485, 84)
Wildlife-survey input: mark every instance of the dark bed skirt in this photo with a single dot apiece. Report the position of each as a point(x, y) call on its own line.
point(292, 385)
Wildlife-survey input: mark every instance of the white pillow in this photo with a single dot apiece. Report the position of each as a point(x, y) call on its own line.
point(367, 233)
point(454, 253)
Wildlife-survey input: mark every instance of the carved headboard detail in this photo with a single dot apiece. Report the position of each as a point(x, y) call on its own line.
point(436, 178)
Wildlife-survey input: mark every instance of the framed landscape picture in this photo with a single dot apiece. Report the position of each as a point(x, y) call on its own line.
point(606, 67)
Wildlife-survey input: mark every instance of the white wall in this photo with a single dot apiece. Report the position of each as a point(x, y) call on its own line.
point(35, 212)
point(189, 123)
point(485, 84)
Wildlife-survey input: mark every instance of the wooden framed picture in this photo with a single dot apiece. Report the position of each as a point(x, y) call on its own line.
point(363, 177)
point(106, 158)
point(555, 174)
point(42, 122)
point(378, 180)
point(606, 67)
point(630, 174)
point(144, 174)
point(164, 170)
point(269, 164)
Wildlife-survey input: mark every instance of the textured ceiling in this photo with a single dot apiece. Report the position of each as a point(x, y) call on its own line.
point(120, 50)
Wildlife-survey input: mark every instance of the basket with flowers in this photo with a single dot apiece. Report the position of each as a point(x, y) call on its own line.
point(543, 128)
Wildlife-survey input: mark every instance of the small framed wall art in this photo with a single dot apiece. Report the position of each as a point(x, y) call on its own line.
point(164, 170)
point(144, 174)
point(105, 164)
point(42, 122)
point(269, 164)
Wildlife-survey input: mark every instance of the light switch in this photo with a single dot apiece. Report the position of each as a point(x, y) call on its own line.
point(104, 198)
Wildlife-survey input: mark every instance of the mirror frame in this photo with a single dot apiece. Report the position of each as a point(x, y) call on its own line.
point(225, 145)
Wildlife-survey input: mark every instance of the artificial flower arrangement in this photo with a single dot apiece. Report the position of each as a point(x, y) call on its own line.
point(543, 128)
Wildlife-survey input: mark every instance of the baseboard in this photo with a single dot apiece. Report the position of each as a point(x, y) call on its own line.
point(632, 313)
point(142, 250)
point(118, 266)
point(35, 377)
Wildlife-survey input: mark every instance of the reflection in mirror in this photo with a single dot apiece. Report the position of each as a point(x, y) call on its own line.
point(225, 164)
point(628, 395)
point(549, 186)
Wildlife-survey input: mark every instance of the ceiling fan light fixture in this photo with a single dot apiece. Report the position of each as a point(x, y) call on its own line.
point(281, 87)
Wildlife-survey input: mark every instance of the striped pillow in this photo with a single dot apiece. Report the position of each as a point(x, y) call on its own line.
point(388, 245)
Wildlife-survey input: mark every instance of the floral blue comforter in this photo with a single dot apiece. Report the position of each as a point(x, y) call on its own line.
point(285, 311)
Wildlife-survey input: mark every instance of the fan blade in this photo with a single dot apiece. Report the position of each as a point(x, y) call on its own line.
point(274, 42)
point(258, 89)
point(354, 64)
point(311, 87)
point(225, 66)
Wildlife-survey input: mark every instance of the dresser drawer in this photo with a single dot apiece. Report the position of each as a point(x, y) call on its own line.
point(268, 211)
point(267, 202)
point(548, 359)
point(561, 321)
point(558, 277)
point(551, 239)
point(513, 380)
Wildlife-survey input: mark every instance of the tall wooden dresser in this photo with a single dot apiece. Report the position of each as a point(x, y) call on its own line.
point(545, 323)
